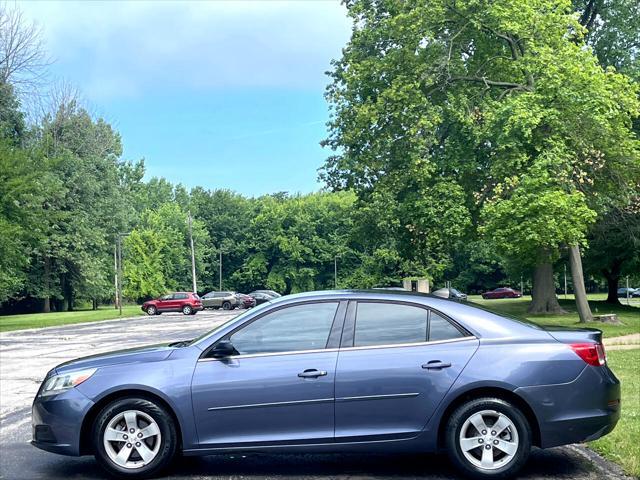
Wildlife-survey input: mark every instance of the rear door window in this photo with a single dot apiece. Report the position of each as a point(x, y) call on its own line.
point(389, 324)
point(442, 329)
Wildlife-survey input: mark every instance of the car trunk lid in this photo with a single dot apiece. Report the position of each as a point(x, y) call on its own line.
point(574, 335)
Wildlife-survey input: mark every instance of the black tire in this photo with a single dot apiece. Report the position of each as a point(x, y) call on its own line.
point(151, 310)
point(226, 306)
point(456, 422)
point(168, 441)
point(187, 309)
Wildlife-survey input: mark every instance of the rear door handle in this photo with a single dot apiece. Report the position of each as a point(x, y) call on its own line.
point(435, 365)
point(312, 373)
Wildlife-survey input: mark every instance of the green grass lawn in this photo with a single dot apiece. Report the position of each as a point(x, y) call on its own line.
point(623, 444)
point(628, 315)
point(38, 320)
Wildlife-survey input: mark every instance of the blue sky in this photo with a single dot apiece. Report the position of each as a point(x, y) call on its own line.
point(217, 94)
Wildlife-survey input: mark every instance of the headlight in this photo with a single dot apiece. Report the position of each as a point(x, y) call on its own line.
point(60, 383)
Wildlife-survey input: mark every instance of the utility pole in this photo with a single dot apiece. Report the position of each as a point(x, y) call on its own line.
point(220, 267)
point(115, 274)
point(193, 257)
point(118, 258)
point(119, 270)
point(335, 272)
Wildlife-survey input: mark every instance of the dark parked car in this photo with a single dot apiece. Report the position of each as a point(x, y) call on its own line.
point(502, 292)
point(345, 371)
point(261, 298)
point(633, 292)
point(451, 293)
point(246, 301)
point(224, 300)
point(271, 293)
point(185, 302)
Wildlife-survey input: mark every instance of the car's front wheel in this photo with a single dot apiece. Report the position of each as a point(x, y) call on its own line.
point(151, 310)
point(488, 438)
point(134, 438)
point(226, 306)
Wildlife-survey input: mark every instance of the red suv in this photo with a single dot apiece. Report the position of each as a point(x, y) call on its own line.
point(185, 302)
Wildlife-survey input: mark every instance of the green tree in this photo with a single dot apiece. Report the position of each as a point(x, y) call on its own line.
point(479, 96)
point(157, 255)
point(614, 247)
point(292, 242)
point(613, 30)
point(23, 189)
point(84, 211)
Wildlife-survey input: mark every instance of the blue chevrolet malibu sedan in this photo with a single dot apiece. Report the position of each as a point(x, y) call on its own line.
point(343, 371)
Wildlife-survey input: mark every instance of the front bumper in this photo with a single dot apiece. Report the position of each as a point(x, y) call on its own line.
point(57, 422)
point(579, 411)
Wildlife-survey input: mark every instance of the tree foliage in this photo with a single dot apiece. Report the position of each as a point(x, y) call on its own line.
point(499, 104)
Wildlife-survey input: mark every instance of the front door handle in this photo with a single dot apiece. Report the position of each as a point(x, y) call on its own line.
point(435, 365)
point(312, 373)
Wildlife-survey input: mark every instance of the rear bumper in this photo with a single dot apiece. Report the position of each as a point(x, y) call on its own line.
point(57, 421)
point(579, 411)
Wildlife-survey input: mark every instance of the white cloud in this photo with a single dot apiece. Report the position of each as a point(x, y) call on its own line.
point(122, 49)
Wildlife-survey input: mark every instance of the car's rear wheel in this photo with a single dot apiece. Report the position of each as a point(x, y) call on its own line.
point(187, 310)
point(134, 438)
point(151, 310)
point(226, 306)
point(488, 438)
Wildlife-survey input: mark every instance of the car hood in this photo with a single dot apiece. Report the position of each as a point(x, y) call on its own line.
point(151, 353)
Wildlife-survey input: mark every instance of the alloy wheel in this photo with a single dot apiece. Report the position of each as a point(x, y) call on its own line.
point(488, 440)
point(132, 439)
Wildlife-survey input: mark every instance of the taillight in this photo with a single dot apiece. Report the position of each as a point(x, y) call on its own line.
point(592, 353)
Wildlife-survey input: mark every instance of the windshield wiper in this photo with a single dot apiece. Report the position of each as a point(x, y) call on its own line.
point(182, 343)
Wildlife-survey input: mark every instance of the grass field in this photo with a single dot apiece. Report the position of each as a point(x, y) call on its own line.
point(38, 320)
point(622, 445)
point(628, 315)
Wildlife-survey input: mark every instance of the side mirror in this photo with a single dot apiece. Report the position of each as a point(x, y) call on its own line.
point(222, 349)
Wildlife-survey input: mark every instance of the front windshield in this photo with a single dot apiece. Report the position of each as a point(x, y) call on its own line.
point(244, 314)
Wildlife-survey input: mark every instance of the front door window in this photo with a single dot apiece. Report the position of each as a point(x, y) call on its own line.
point(300, 327)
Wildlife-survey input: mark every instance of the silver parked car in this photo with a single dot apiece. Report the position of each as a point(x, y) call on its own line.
point(451, 293)
point(224, 300)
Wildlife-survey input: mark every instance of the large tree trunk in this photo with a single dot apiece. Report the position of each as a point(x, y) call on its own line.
point(579, 292)
point(613, 277)
point(67, 294)
point(46, 304)
point(543, 293)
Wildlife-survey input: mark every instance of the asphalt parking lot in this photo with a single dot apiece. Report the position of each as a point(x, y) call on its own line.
point(26, 356)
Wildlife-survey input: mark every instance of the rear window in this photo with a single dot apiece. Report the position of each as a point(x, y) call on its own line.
point(180, 296)
point(441, 329)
